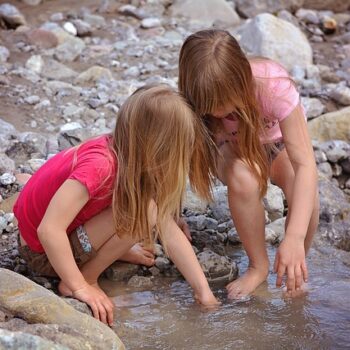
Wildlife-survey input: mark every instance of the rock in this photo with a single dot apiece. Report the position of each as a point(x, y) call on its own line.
point(7, 179)
point(32, 2)
point(334, 205)
point(35, 304)
point(120, 271)
point(330, 5)
point(94, 20)
point(269, 36)
point(11, 16)
point(219, 207)
point(133, 11)
point(210, 224)
point(72, 137)
point(57, 71)
point(32, 100)
point(140, 282)
point(36, 164)
point(196, 223)
point(205, 12)
point(308, 16)
point(274, 232)
point(36, 142)
point(131, 72)
point(6, 164)
point(233, 237)
point(162, 263)
point(42, 38)
point(70, 28)
point(79, 306)
point(331, 126)
point(93, 74)
point(337, 233)
point(20, 340)
point(70, 50)
point(335, 150)
point(4, 54)
point(341, 94)
point(35, 64)
point(193, 203)
point(273, 202)
point(313, 107)
point(325, 169)
point(254, 7)
point(151, 22)
point(271, 236)
point(83, 28)
point(7, 130)
point(217, 269)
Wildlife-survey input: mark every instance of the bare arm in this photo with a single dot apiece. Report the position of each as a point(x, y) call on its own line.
point(290, 256)
point(52, 232)
point(300, 152)
point(183, 256)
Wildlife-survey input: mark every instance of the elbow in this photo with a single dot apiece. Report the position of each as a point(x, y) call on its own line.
point(43, 232)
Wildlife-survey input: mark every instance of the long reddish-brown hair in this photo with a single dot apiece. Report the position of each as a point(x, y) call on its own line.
point(213, 73)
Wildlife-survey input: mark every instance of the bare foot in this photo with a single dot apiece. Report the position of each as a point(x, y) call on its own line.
point(247, 283)
point(138, 255)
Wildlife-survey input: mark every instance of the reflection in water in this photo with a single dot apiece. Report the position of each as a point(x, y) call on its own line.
point(166, 316)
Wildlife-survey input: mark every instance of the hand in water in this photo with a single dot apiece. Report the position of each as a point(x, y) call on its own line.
point(101, 306)
point(207, 299)
point(290, 260)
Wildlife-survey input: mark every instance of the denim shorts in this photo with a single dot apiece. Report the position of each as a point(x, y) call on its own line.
point(39, 262)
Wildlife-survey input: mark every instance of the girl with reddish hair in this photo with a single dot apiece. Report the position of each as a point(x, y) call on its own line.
point(253, 129)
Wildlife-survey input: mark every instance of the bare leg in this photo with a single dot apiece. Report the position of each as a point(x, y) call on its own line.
point(249, 217)
point(109, 247)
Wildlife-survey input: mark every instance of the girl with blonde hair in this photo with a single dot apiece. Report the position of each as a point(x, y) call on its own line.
point(254, 128)
point(88, 206)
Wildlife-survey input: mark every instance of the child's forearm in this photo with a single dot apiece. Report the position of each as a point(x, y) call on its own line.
point(183, 256)
point(304, 194)
point(59, 252)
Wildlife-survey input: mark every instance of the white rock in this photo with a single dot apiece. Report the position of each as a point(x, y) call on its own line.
point(35, 164)
point(269, 36)
point(7, 179)
point(313, 107)
point(70, 28)
point(151, 22)
point(274, 202)
point(35, 64)
point(70, 126)
point(4, 54)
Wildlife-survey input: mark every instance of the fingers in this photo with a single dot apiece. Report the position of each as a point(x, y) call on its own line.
point(281, 270)
point(298, 277)
point(304, 271)
point(290, 279)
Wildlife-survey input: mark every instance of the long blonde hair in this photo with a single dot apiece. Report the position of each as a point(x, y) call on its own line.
point(153, 142)
point(214, 72)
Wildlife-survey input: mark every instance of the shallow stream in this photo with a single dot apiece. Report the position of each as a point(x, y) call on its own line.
point(166, 316)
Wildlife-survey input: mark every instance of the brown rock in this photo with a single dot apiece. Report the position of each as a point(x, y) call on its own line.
point(332, 5)
point(42, 38)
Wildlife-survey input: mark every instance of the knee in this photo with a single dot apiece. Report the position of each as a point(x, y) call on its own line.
point(242, 183)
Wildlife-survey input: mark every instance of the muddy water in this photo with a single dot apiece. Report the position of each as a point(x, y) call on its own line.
point(166, 317)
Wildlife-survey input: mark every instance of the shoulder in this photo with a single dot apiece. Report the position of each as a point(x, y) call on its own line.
point(267, 68)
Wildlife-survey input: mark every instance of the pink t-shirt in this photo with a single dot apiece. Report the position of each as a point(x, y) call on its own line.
point(94, 166)
point(278, 97)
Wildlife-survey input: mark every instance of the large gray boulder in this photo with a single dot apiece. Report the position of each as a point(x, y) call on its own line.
point(205, 12)
point(25, 299)
point(254, 7)
point(272, 37)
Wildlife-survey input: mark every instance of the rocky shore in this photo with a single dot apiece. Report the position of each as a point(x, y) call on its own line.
point(66, 69)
